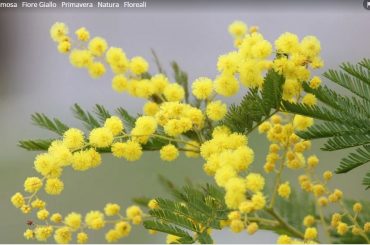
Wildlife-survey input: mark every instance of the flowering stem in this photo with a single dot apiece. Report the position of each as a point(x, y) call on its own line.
point(285, 225)
point(258, 124)
point(157, 136)
point(354, 221)
point(277, 180)
point(324, 224)
point(268, 222)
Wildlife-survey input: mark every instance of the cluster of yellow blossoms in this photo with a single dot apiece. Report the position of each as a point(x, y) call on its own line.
point(292, 58)
point(169, 118)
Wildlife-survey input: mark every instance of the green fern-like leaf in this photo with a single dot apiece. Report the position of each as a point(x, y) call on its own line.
point(366, 181)
point(166, 228)
point(128, 120)
point(256, 106)
point(54, 125)
point(102, 113)
point(354, 159)
point(345, 119)
point(35, 145)
point(89, 121)
point(173, 218)
point(181, 78)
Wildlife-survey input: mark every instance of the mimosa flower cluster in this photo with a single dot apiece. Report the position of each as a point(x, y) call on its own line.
point(168, 117)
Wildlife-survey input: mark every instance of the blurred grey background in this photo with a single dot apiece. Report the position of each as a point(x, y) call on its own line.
point(34, 77)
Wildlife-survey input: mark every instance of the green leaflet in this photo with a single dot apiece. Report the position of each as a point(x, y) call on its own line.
point(193, 207)
point(54, 125)
point(345, 118)
point(256, 106)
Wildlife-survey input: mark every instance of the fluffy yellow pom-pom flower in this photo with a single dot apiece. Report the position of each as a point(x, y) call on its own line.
point(32, 184)
point(82, 34)
point(98, 46)
point(73, 220)
point(302, 122)
point(130, 150)
point(169, 152)
point(236, 225)
point(28, 234)
point(150, 108)
point(64, 47)
point(117, 60)
point(284, 190)
point(54, 186)
point(96, 69)
point(17, 200)
point(284, 239)
point(255, 182)
point(63, 235)
point(202, 88)
point(43, 214)
point(58, 31)
point(309, 99)
point(226, 85)
point(80, 58)
point(315, 82)
point(287, 43)
point(73, 138)
point(101, 137)
point(172, 239)
point(160, 82)
point(112, 209)
point(237, 28)
point(252, 228)
point(308, 221)
point(82, 237)
point(216, 110)
point(95, 220)
point(56, 218)
point(174, 92)
point(114, 124)
point(119, 83)
point(138, 65)
point(123, 228)
point(153, 204)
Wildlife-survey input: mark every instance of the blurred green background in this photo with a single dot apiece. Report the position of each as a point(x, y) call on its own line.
point(35, 78)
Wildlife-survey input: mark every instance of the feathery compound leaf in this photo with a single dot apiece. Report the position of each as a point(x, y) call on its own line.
point(256, 106)
point(35, 145)
point(354, 159)
point(366, 181)
point(352, 84)
point(272, 90)
point(205, 238)
point(346, 117)
point(173, 218)
point(166, 228)
point(54, 125)
point(196, 208)
point(128, 120)
point(181, 78)
point(102, 113)
point(350, 105)
point(356, 71)
point(90, 122)
point(330, 129)
point(365, 63)
point(346, 141)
